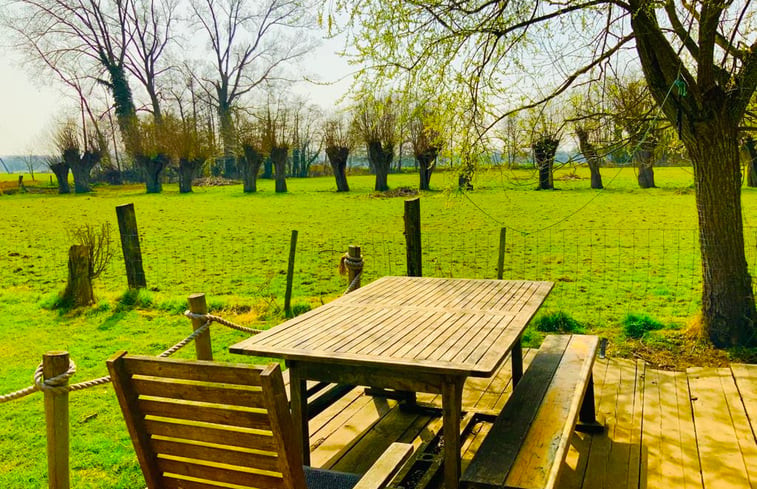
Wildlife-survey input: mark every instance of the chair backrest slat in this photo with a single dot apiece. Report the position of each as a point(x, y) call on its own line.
point(203, 392)
point(200, 370)
point(210, 434)
point(206, 412)
point(202, 422)
point(184, 469)
point(244, 458)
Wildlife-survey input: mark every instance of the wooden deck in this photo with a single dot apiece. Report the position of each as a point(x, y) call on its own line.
point(693, 429)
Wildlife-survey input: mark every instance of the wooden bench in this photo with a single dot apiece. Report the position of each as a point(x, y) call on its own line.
point(529, 439)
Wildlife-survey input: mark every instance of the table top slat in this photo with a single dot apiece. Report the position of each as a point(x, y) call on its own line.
point(443, 326)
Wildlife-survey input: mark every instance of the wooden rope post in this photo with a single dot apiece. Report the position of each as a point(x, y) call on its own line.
point(354, 252)
point(197, 305)
point(413, 237)
point(55, 363)
point(290, 275)
point(127, 225)
point(501, 257)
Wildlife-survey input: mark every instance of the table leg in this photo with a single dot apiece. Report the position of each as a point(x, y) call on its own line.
point(452, 405)
point(299, 403)
point(516, 354)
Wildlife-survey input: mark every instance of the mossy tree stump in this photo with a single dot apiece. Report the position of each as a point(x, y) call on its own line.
point(78, 290)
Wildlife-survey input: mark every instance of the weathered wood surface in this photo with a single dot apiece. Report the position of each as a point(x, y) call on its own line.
point(441, 326)
point(663, 429)
point(198, 424)
point(528, 441)
point(405, 333)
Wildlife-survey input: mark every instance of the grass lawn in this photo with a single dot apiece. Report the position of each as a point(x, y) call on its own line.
point(611, 253)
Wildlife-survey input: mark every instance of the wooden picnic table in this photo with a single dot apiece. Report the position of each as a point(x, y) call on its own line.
point(406, 333)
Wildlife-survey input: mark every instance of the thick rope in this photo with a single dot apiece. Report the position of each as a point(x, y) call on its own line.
point(19, 394)
point(53, 384)
point(56, 384)
point(89, 383)
point(347, 262)
point(216, 319)
point(185, 341)
point(355, 284)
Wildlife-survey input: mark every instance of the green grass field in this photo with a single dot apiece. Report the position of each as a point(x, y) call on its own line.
point(613, 252)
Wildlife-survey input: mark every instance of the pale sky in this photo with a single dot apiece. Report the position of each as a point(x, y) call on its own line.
point(29, 109)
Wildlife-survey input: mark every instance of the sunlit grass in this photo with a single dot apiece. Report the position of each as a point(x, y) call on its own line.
point(613, 252)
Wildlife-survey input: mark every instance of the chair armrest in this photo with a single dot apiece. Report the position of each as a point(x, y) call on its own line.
point(386, 466)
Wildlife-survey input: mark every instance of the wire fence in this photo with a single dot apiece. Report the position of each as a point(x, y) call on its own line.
point(599, 274)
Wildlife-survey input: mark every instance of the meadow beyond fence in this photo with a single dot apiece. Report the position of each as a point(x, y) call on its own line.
point(622, 250)
point(626, 252)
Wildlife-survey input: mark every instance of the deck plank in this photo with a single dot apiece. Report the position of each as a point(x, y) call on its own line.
point(375, 441)
point(719, 441)
point(668, 427)
point(654, 436)
point(746, 382)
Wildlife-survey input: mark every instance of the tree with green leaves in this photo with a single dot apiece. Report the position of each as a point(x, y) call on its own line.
point(375, 122)
point(426, 142)
point(699, 61)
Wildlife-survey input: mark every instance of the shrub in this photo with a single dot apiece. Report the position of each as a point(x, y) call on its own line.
point(558, 322)
point(636, 325)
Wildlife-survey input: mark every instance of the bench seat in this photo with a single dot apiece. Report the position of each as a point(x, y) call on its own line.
point(529, 439)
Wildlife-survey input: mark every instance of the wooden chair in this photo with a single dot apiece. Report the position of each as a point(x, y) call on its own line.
point(197, 424)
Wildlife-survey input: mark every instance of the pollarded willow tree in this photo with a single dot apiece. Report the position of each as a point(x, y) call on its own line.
point(426, 142)
point(338, 140)
point(375, 122)
point(699, 60)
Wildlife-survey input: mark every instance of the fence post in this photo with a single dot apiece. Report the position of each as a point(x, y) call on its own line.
point(501, 257)
point(197, 305)
point(55, 363)
point(413, 237)
point(127, 225)
point(354, 265)
point(290, 275)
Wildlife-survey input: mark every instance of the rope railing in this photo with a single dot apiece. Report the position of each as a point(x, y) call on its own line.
point(59, 368)
point(59, 383)
point(224, 322)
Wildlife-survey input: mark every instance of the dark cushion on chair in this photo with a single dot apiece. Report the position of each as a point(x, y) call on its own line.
point(329, 479)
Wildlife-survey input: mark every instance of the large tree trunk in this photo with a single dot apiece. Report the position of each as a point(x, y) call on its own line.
point(249, 168)
point(279, 159)
point(751, 174)
point(727, 297)
point(126, 112)
point(381, 160)
point(152, 168)
point(187, 171)
point(592, 158)
point(338, 159)
point(643, 158)
point(227, 135)
point(61, 174)
point(78, 290)
point(81, 179)
point(709, 121)
point(425, 168)
point(544, 156)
